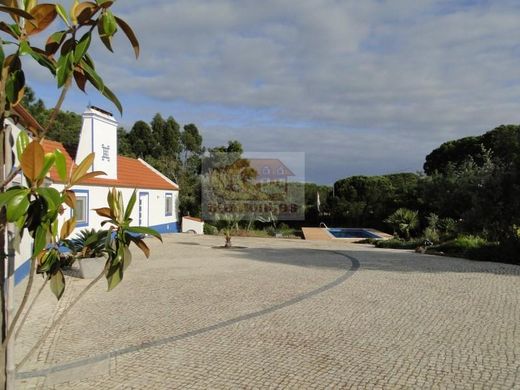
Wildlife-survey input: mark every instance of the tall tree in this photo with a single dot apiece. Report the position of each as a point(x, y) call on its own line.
point(142, 140)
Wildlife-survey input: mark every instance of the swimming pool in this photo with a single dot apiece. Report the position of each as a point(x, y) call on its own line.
point(352, 233)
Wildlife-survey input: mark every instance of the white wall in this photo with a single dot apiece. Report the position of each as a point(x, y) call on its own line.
point(97, 198)
point(191, 225)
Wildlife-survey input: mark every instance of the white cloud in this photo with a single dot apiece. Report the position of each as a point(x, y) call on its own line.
point(387, 80)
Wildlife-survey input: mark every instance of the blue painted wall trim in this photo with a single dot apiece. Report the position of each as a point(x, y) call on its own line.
point(22, 271)
point(172, 227)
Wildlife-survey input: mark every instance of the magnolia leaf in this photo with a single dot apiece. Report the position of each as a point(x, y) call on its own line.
point(40, 240)
point(54, 42)
point(113, 98)
point(84, 11)
point(142, 245)
point(64, 69)
point(129, 34)
point(144, 230)
point(68, 228)
point(43, 60)
point(114, 275)
point(82, 47)
point(32, 160)
point(127, 257)
point(62, 13)
point(21, 143)
point(44, 15)
point(2, 56)
point(80, 78)
point(79, 171)
point(11, 30)
point(104, 3)
point(51, 196)
point(15, 87)
point(90, 175)
point(58, 284)
point(17, 207)
point(61, 164)
point(130, 205)
point(48, 161)
point(13, 11)
point(6, 196)
point(105, 38)
point(104, 212)
point(70, 199)
point(92, 75)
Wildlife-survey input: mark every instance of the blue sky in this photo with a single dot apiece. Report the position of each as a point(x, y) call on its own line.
point(361, 87)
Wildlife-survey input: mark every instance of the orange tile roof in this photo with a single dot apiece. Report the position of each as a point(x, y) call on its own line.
point(130, 172)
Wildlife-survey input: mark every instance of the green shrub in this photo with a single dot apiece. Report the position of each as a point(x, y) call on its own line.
point(210, 229)
point(399, 244)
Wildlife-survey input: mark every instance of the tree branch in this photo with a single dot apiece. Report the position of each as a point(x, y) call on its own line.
point(46, 334)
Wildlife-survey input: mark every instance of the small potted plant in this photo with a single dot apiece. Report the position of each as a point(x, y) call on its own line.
point(88, 249)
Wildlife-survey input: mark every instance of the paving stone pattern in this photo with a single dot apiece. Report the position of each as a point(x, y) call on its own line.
point(283, 314)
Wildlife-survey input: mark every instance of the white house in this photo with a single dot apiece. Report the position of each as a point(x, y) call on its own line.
point(158, 199)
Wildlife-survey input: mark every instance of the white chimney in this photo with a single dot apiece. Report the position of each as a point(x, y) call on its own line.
point(99, 135)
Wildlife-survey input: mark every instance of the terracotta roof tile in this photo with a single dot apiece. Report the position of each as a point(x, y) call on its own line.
point(130, 172)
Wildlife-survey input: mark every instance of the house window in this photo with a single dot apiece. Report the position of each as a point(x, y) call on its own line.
point(281, 171)
point(169, 205)
point(81, 210)
point(266, 171)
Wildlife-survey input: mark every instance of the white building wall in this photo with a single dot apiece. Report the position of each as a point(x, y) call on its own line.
point(154, 215)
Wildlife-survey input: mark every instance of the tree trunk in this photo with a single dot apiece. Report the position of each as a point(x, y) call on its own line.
point(3, 266)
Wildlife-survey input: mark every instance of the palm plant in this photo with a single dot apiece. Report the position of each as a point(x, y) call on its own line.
point(403, 221)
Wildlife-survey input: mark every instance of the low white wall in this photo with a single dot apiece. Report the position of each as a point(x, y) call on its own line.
point(189, 225)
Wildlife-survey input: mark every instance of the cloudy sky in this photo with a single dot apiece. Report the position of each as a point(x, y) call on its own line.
point(361, 87)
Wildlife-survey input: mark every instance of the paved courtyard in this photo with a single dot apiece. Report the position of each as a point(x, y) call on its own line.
point(283, 314)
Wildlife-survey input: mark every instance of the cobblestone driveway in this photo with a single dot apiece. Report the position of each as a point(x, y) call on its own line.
point(284, 314)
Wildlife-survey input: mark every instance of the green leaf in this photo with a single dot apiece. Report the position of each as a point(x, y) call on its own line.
point(114, 275)
point(17, 206)
point(2, 55)
point(127, 257)
point(130, 205)
point(48, 161)
point(58, 284)
point(64, 69)
point(43, 60)
point(15, 86)
point(62, 13)
point(21, 143)
point(6, 196)
point(82, 47)
point(113, 98)
point(24, 48)
point(109, 23)
point(92, 76)
point(129, 34)
point(144, 230)
point(40, 240)
point(61, 165)
point(51, 196)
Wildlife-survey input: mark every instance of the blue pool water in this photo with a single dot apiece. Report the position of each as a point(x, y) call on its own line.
point(352, 233)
